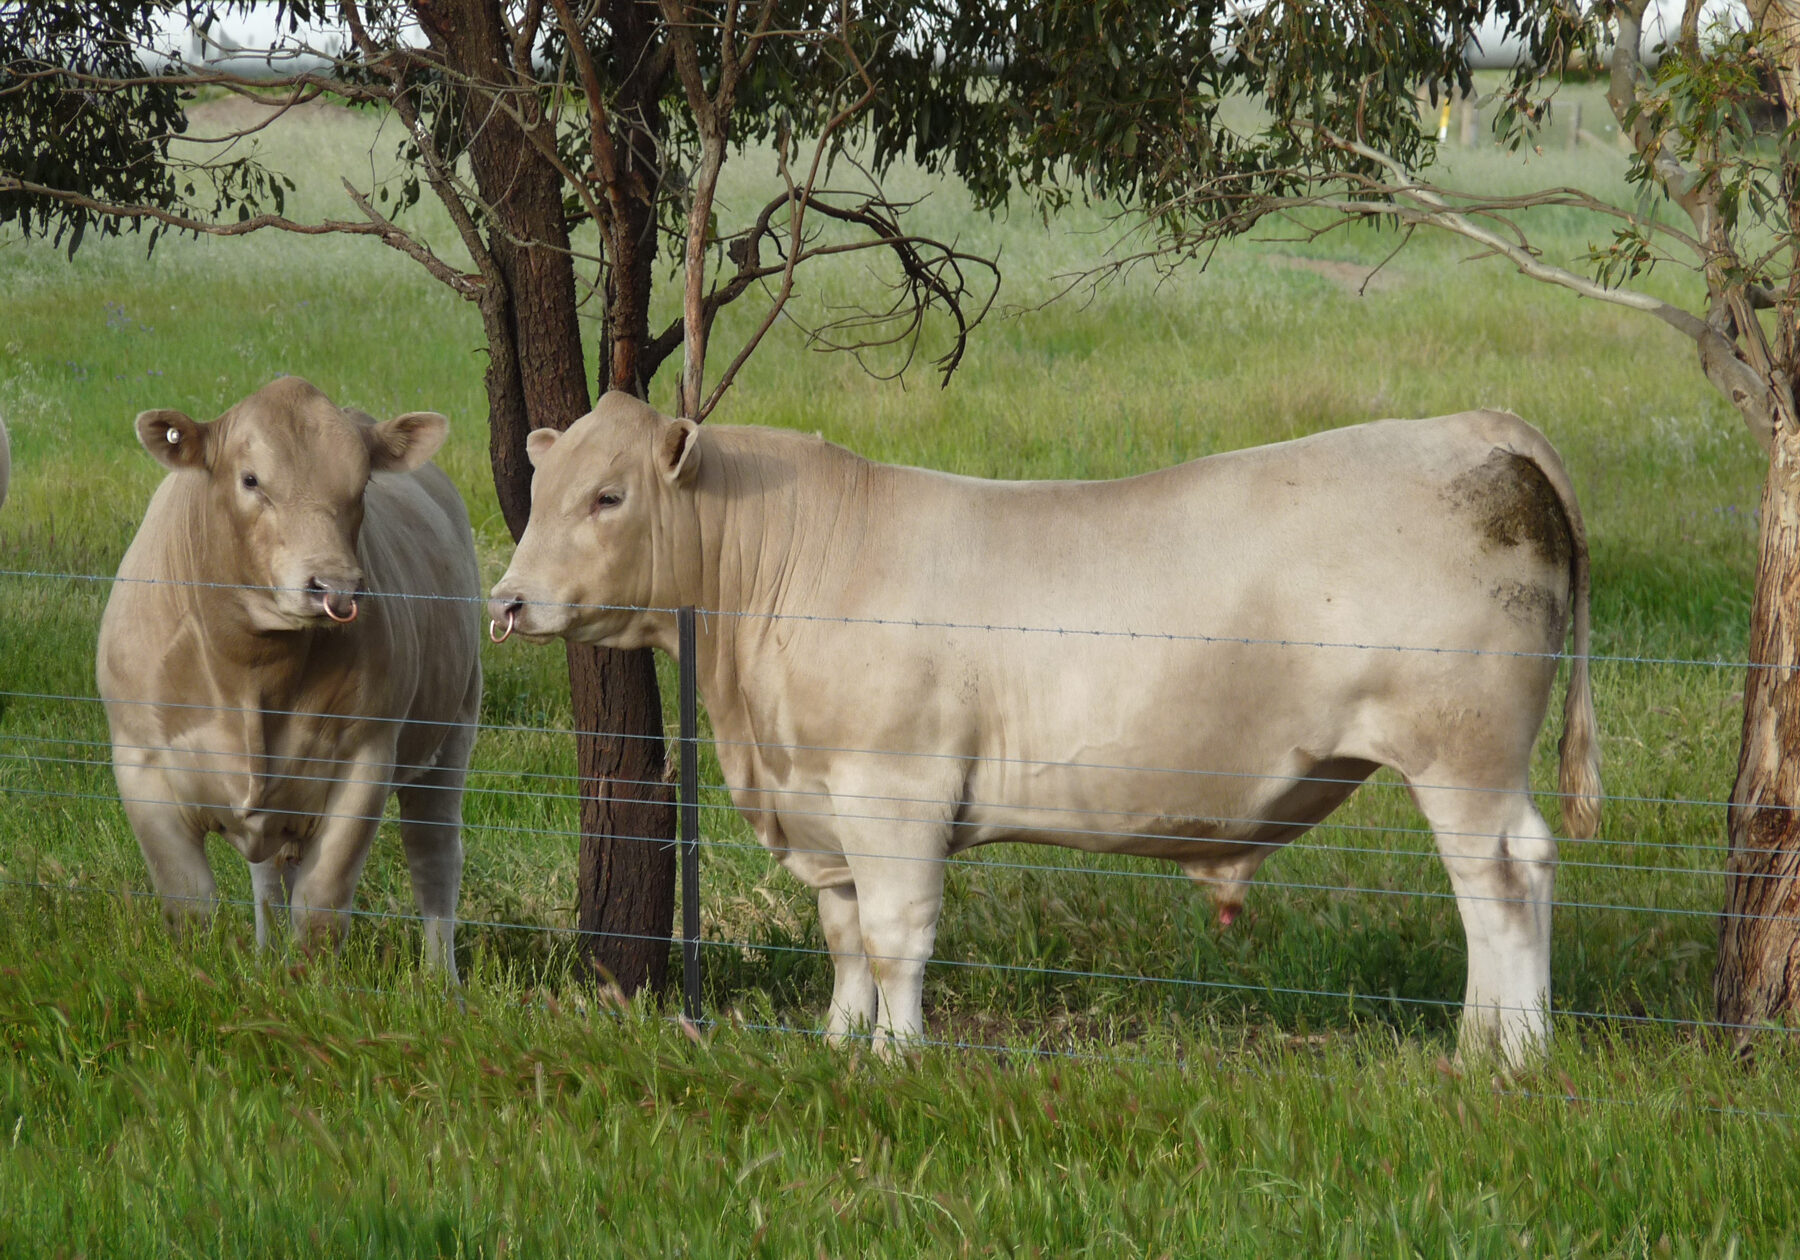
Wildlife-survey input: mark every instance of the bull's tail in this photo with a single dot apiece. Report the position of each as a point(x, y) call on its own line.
point(1578, 778)
point(1579, 749)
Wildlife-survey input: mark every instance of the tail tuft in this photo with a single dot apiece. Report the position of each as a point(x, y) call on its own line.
point(1579, 753)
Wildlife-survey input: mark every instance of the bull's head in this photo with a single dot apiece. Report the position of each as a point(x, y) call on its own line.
point(603, 508)
point(286, 472)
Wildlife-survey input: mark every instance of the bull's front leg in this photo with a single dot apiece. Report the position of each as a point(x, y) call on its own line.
point(325, 881)
point(853, 984)
point(271, 885)
point(898, 868)
point(174, 848)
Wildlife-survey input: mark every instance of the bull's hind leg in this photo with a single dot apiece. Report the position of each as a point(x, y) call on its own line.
point(431, 830)
point(1502, 863)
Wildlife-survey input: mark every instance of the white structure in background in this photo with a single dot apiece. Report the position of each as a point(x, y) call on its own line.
point(1491, 50)
point(255, 43)
point(258, 42)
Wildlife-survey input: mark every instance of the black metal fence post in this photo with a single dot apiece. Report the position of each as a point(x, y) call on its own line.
point(689, 809)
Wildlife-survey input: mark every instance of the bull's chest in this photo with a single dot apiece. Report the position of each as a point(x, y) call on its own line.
point(267, 783)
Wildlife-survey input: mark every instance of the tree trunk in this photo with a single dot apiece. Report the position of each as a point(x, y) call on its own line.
point(1758, 975)
point(626, 878)
point(536, 378)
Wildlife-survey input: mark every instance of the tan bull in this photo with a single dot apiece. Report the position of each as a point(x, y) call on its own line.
point(292, 637)
point(889, 682)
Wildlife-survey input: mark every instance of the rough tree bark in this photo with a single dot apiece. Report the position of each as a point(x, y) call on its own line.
point(536, 378)
point(1758, 976)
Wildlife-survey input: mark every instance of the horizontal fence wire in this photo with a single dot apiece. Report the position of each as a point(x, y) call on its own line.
point(922, 623)
point(1008, 1050)
point(770, 745)
point(749, 812)
point(215, 806)
point(818, 952)
point(1302, 846)
point(35, 752)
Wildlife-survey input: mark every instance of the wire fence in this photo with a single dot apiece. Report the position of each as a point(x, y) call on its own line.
point(43, 760)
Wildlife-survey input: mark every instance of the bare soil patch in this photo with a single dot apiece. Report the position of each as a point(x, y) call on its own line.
point(1351, 277)
point(234, 115)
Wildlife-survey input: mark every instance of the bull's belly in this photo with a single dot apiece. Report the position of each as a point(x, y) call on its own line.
point(1169, 817)
point(1178, 817)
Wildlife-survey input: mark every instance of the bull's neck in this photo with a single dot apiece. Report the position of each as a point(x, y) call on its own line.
point(768, 529)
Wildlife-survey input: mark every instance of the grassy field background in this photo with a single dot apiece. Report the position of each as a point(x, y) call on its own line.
point(198, 1099)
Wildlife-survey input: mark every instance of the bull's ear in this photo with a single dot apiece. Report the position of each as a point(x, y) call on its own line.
point(538, 443)
point(406, 442)
point(176, 440)
point(678, 452)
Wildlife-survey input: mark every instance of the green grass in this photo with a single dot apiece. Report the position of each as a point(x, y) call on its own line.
point(196, 1099)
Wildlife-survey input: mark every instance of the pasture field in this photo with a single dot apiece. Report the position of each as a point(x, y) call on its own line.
point(1119, 1075)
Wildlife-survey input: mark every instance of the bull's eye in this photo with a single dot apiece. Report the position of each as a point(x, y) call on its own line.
point(608, 499)
point(250, 481)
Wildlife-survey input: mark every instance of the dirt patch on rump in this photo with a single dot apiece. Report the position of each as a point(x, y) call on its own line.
point(1514, 504)
point(1351, 277)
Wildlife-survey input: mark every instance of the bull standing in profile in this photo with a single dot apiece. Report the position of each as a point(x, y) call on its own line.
point(292, 637)
point(878, 709)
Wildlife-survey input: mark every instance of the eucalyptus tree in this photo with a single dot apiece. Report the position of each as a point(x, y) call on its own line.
point(576, 146)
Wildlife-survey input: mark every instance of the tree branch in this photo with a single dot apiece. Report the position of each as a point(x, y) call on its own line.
point(437, 172)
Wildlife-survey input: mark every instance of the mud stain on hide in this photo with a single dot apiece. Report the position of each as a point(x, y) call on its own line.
point(1513, 504)
point(1533, 605)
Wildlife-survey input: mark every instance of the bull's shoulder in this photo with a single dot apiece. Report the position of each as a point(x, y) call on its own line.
point(425, 495)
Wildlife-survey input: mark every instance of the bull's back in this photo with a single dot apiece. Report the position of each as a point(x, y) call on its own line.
point(1315, 534)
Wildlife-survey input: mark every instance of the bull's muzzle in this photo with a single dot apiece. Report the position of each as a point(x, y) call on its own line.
point(503, 609)
point(336, 599)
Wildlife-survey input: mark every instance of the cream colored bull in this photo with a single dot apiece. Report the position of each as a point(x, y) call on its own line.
point(292, 637)
point(1181, 717)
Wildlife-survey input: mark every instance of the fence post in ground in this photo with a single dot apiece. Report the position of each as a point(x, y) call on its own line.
point(689, 810)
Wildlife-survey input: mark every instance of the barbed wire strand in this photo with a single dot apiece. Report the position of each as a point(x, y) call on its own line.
point(502, 728)
point(1067, 973)
point(1296, 844)
point(921, 623)
point(725, 845)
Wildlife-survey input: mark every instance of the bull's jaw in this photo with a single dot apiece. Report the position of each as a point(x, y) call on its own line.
point(288, 612)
